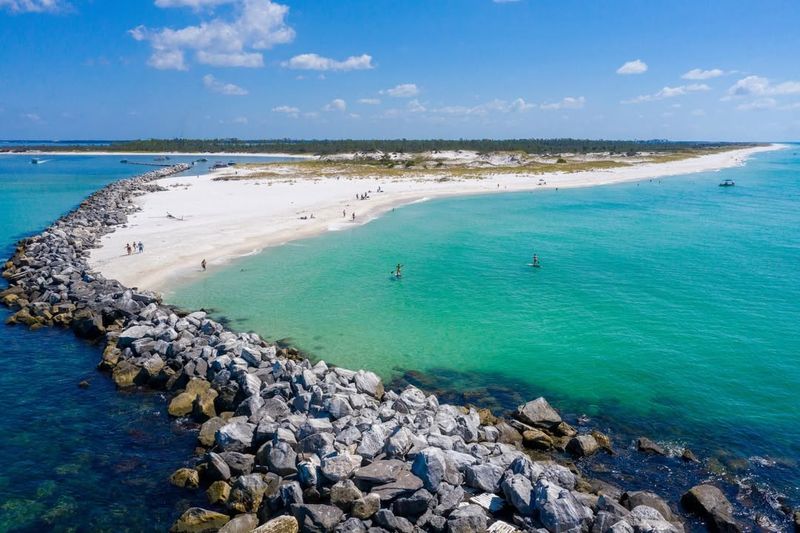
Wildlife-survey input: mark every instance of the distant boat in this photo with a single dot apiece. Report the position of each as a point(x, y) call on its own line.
point(202, 160)
point(727, 183)
point(231, 163)
point(160, 158)
point(123, 161)
point(36, 161)
point(218, 165)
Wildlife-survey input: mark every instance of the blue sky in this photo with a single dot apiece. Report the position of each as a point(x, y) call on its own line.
point(711, 69)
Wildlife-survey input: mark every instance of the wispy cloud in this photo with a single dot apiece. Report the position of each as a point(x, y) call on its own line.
point(404, 90)
point(636, 66)
point(669, 92)
point(569, 102)
point(317, 62)
point(291, 111)
point(256, 26)
point(194, 4)
point(216, 86)
point(369, 101)
point(32, 117)
point(518, 105)
point(760, 103)
point(337, 104)
point(699, 74)
point(35, 6)
point(759, 86)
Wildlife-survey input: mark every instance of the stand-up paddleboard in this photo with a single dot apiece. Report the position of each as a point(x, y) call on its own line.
point(534, 266)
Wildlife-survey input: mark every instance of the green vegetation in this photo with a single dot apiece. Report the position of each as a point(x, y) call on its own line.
point(325, 147)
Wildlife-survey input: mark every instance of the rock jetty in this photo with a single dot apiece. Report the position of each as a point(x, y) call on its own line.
point(286, 445)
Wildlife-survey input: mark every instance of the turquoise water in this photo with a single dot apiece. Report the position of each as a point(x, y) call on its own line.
point(669, 307)
point(75, 459)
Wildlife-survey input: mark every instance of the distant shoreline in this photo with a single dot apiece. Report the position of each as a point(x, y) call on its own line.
point(176, 154)
point(219, 221)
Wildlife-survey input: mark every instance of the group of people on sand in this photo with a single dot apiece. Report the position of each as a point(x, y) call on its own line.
point(134, 247)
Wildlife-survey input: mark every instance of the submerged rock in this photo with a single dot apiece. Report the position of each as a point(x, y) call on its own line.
point(711, 504)
point(645, 445)
point(198, 520)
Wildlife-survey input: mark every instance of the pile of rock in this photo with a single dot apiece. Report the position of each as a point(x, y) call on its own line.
point(287, 445)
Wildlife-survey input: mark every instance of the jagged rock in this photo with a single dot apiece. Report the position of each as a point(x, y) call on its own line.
point(208, 431)
point(185, 478)
point(247, 493)
point(582, 446)
point(344, 493)
point(450, 496)
point(414, 505)
point(279, 457)
point(317, 518)
point(125, 374)
point(519, 493)
point(218, 493)
point(369, 383)
point(468, 519)
point(558, 509)
point(647, 519)
point(636, 498)
point(797, 521)
point(711, 504)
point(281, 524)
point(432, 466)
point(339, 467)
point(366, 506)
point(181, 405)
point(536, 438)
point(351, 525)
point(645, 445)
point(197, 520)
point(235, 436)
point(239, 463)
point(243, 523)
point(485, 477)
point(405, 484)
point(216, 468)
point(538, 413)
point(378, 472)
point(387, 519)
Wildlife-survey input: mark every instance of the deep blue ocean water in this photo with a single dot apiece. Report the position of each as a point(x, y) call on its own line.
point(75, 459)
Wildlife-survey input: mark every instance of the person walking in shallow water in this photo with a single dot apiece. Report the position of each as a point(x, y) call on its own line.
point(203, 264)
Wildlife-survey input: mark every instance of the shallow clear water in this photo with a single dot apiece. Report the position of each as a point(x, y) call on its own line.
point(75, 459)
point(667, 307)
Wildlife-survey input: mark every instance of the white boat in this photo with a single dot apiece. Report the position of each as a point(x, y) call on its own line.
point(36, 161)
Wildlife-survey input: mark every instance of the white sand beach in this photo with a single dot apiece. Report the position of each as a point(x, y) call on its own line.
point(221, 220)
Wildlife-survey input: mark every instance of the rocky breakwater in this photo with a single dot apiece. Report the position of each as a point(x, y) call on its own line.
point(285, 445)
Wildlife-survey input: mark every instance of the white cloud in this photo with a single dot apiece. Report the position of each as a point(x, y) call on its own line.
point(760, 103)
point(569, 102)
point(287, 110)
point(633, 67)
point(34, 6)
point(699, 74)
point(33, 117)
point(317, 62)
point(194, 4)
point(337, 104)
point(518, 105)
point(415, 107)
point(698, 113)
point(240, 120)
point(369, 101)
point(404, 90)
point(257, 25)
point(229, 89)
point(669, 92)
point(759, 86)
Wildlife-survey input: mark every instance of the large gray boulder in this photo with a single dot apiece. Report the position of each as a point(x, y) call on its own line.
point(519, 493)
point(467, 519)
point(247, 493)
point(558, 509)
point(710, 503)
point(279, 457)
point(339, 467)
point(379, 472)
point(538, 413)
point(485, 477)
point(317, 518)
point(369, 383)
point(433, 467)
point(235, 436)
point(644, 518)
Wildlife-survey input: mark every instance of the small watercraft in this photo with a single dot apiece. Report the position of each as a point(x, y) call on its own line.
point(123, 161)
point(727, 183)
point(36, 161)
point(534, 265)
point(202, 160)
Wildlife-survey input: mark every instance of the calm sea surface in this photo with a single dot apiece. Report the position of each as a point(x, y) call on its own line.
point(74, 459)
point(669, 308)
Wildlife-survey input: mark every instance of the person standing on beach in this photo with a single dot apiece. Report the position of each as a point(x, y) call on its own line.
point(344, 213)
point(203, 264)
point(141, 247)
point(354, 217)
point(128, 248)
